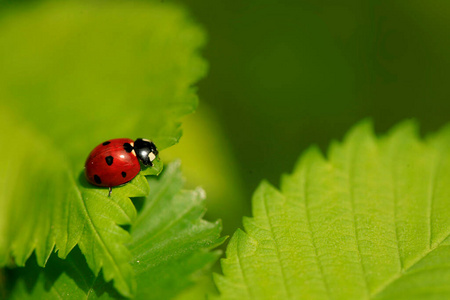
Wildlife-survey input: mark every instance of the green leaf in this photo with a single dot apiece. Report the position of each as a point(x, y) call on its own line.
point(170, 244)
point(370, 222)
point(73, 75)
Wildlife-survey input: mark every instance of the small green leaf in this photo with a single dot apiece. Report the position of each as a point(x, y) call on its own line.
point(156, 169)
point(371, 222)
point(74, 74)
point(170, 244)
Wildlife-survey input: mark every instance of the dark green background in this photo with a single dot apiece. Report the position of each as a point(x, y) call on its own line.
point(287, 74)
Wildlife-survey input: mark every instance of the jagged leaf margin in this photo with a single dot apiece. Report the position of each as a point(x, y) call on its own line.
point(371, 222)
point(66, 212)
point(56, 105)
point(170, 244)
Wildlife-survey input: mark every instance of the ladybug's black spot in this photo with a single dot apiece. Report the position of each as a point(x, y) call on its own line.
point(109, 160)
point(97, 179)
point(124, 174)
point(128, 147)
point(106, 143)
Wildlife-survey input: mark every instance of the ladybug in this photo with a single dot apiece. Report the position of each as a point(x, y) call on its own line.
point(116, 161)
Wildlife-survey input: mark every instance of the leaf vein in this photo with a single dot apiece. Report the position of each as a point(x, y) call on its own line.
point(311, 234)
point(55, 291)
point(97, 234)
point(167, 227)
point(395, 192)
point(352, 205)
point(276, 247)
point(244, 276)
point(157, 198)
point(430, 198)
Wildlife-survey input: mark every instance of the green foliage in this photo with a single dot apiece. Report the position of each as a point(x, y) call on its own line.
point(170, 240)
point(371, 222)
point(170, 243)
point(74, 74)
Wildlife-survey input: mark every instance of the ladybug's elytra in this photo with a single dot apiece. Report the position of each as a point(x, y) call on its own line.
point(116, 161)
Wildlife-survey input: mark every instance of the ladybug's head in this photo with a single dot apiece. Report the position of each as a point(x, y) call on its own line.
point(145, 151)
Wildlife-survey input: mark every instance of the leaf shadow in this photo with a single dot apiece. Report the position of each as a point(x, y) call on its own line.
point(29, 274)
point(57, 274)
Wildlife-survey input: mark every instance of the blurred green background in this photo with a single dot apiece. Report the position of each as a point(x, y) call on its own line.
point(287, 74)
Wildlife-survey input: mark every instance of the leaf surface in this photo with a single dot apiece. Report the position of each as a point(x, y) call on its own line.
point(73, 75)
point(370, 222)
point(170, 245)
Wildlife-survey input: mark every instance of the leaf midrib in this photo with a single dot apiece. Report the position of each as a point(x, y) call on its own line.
point(277, 248)
point(350, 182)
point(114, 203)
point(313, 242)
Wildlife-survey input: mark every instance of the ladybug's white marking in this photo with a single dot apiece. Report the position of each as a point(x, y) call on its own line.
point(133, 152)
point(132, 144)
point(145, 140)
point(151, 156)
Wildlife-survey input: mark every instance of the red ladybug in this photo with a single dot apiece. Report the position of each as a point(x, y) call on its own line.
point(116, 161)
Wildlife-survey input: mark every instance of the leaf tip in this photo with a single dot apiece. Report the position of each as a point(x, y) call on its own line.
point(264, 192)
point(240, 243)
point(264, 186)
point(312, 154)
point(363, 127)
point(408, 127)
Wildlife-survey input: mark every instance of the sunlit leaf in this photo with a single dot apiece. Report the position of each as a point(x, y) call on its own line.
point(75, 74)
point(170, 244)
point(370, 222)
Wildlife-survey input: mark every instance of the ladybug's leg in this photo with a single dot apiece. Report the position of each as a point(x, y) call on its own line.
point(110, 190)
